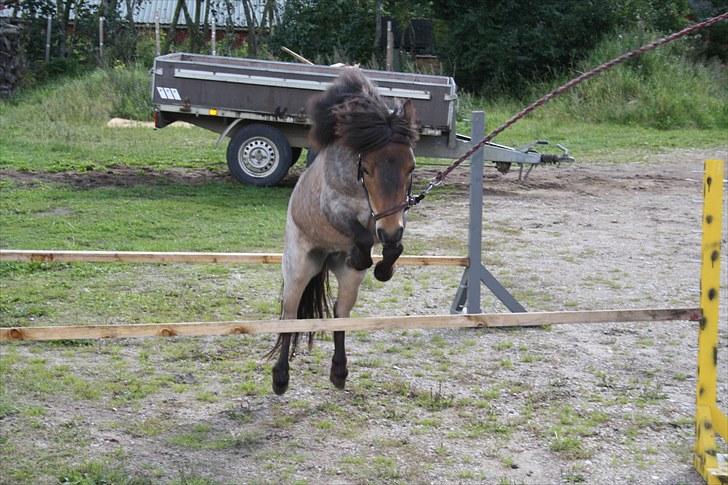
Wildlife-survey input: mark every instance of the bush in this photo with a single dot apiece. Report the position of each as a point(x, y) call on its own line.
point(327, 30)
point(663, 89)
point(131, 88)
point(500, 48)
point(91, 98)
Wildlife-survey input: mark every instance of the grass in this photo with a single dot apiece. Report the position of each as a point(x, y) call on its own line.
point(203, 437)
point(663, 89)
point(73, 134)
point(97, 473)
point(167, 217)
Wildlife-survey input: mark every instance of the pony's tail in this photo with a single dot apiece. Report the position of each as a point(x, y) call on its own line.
point(314, 304)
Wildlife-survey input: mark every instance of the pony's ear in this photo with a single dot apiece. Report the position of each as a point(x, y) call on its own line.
point(408, 111)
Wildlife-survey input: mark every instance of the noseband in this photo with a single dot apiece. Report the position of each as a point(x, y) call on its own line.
point(404, 206)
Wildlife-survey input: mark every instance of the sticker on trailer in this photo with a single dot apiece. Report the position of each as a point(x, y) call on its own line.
point(169, 93)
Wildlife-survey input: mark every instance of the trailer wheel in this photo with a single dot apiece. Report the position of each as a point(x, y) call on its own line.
point(259, 155)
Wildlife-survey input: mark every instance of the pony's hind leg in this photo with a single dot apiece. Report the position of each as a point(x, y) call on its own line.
point(280, 369)
point(349, 280)
point(299, 268)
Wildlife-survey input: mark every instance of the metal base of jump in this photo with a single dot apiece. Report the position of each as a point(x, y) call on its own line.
point(467, 296)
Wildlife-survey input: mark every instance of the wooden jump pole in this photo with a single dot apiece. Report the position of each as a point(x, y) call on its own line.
point(33, 255)
point(481, 320)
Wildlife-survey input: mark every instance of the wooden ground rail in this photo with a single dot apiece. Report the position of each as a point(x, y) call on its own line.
point(33, 255)
point(482, 320)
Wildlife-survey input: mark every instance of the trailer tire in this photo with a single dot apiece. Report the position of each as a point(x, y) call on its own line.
point(259, 155)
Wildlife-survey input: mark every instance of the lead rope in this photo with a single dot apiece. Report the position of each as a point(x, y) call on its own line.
point(440, 177)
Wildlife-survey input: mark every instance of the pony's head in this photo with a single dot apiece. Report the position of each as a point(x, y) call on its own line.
point(353, 114)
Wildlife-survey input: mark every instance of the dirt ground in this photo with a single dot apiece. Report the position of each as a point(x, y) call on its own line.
point(598, 404)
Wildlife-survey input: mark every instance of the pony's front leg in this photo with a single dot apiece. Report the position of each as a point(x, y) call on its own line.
point(280, 369)
point(384, 269)
point(349, 281)
point(360, 256)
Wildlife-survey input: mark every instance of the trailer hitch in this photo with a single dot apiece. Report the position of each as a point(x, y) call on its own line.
point(550, 158)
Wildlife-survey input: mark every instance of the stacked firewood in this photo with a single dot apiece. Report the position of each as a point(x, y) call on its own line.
point(10, 58)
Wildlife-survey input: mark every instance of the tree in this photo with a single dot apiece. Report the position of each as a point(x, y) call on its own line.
point(327, 30)
point(500, 47)
point(503, 46)
point(251, 22)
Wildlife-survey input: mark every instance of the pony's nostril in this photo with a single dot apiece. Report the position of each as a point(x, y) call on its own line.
point(386, 238)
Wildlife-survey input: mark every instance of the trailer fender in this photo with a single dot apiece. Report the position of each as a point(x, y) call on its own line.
point(227, 131)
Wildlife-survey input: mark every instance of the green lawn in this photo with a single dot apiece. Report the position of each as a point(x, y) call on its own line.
point(216, 216)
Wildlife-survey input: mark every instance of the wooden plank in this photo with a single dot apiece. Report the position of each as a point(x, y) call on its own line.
point(347, 324)
point(190, 257)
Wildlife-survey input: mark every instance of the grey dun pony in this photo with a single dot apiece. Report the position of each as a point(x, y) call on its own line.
point(355, 194)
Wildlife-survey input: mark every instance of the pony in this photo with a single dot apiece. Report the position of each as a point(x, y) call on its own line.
point(354, 194)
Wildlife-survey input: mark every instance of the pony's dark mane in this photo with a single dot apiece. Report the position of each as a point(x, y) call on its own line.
point(352, 111)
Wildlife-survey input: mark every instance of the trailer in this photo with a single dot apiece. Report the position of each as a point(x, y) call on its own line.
point(261, 106)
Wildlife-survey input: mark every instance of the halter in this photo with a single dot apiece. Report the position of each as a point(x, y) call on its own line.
point(409, 200)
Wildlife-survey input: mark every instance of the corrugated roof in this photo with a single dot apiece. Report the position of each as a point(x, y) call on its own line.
point(146, 12)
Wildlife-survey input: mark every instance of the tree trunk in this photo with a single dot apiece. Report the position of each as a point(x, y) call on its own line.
point(206, 21)
point(197, 39)
point(11, 58)
point(172, 27)
point(252, 37)
point(190, 26)
point(61, 24)
point(229, 27)
point(132, 27)
point(270, 15)
point(378, 27)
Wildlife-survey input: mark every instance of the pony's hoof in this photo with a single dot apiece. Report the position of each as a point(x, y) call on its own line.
point(280, 381)
point(338, 377)
point(383, 272)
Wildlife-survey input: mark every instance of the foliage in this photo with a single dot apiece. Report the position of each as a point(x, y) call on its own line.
point(712, 42)
point(130, 88)
point(327, 30)
point(501, 47)
point(663, 89)
point(121, 91)
point(489, 47)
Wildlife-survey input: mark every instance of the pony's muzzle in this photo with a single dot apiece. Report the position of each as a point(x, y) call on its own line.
point(393, 237)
